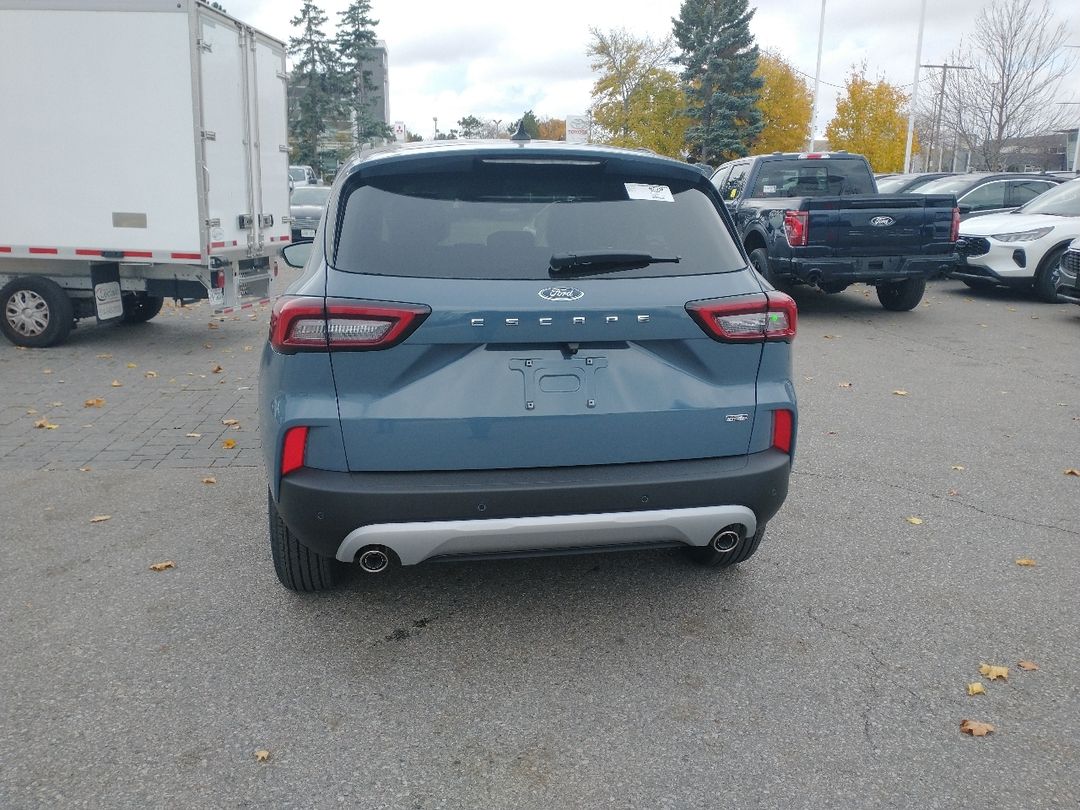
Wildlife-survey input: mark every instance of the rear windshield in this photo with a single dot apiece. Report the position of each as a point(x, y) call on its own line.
point(823, 177)
point(310, 195)
point(505, 218)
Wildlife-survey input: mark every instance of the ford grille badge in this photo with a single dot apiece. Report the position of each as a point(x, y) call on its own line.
point(882, 222)
point(560, 294)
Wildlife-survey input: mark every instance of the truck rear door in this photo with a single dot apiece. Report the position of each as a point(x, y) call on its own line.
point(269, 117)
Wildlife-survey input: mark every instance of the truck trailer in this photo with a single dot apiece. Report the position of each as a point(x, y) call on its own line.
point(145, 154)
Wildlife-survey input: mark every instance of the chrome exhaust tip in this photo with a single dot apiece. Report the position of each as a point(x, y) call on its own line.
point(725, 541)
point(373, 561)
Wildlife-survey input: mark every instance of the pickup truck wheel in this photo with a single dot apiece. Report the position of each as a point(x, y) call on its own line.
point(141, 308)
point(35, 312)
point(833, 287)
point(759, 258)
point(1046, 277)
point(298, 567)
point(901, 296)
point(711, 558)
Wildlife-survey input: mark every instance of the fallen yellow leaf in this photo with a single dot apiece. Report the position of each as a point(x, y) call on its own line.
point(262, 755)
point(193, 435)
point(46, 424)
point(976, 689)
point(914, 521)
point(163, 566)
point(1071, 471)
point(993, 673)
point(96, 402)
point(209, 480)
point(117, 384)
point(247, 348)
point(230, 422)
point(100, 518)
point(900, 392)
point(229, 444)
point(46, 371)
point(211, 325)
point(1028, 666)
point(104, 357)
point(958, 466)
point(217, 369)
point(84, 469)
point(132, 365)
point(1026, 562)
point(975, 728)
point(150, 374)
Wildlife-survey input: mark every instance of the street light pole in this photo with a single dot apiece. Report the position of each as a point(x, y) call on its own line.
point(945, 68)
point(914, 91)
point(817, 79)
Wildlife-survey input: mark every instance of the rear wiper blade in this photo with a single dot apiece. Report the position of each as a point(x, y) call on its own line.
point(604, 261)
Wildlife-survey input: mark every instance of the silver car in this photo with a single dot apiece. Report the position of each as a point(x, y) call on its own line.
point(306, 206)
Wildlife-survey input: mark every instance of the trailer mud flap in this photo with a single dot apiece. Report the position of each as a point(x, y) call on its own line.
point(105, 278)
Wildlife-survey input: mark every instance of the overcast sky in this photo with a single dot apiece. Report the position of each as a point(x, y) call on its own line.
point(497, 58)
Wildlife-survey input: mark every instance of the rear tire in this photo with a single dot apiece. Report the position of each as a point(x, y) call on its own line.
point(298, 567)
point(141, 308)
point(1046, 277)
point(710, 558)
point(901, 296)
point(35, 312)
point(759, 259)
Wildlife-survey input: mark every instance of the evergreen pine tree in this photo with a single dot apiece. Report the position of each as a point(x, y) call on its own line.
point(719, 58)
point(355, 41)
point(312, 84)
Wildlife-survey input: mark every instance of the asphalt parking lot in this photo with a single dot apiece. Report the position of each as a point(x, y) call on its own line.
point(831, 670)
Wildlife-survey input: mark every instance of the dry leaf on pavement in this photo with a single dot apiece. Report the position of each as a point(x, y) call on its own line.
point(96, 402)
point(262, 755)
point(211, 325)
point(104, 357)
point(163, 566)
point(229, 444)
point(900, 392)
point(132, 365)
point(1027, 562)
point(231, 422)
point(1071, 471)
point(247, 348)
point(845, 385)
point(914, 521)
point(150, 374)
point(46, 424)
point(976, 689)
point(84, 469)
point(1028, 666)
point(217, 369)
point(100, 518)
point(975, 728)
point(953, 492)
point(117, 384)
point(958, 466)
point(993, 673)
point(209, 480)
point(193, 435)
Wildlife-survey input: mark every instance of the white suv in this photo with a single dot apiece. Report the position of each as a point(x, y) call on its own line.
point(1022, 248)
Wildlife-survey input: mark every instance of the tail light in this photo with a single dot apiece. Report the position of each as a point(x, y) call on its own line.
point(783, 430)
point(311, 324)
point(747, 318)
point(954, 232)
point(292, 451)
point(796, 228)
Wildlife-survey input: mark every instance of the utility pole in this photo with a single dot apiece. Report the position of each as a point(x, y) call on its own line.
point(945, 68)
point(914, 91)
point(817, 79)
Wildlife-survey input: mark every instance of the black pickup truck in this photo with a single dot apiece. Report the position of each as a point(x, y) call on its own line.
point(816, 218)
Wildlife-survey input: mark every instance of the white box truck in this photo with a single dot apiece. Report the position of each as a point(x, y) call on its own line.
point(145, 156)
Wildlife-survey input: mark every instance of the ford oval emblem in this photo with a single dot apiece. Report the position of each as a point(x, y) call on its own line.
point(560, 294)
point(882, 222)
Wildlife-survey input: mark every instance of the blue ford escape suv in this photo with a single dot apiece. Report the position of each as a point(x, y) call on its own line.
point(516, 348)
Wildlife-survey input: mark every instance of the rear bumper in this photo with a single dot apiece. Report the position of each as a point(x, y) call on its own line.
point(325, 509)
point(864, 269)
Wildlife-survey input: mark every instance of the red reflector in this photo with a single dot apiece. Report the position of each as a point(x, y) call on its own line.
point(954, 232)
point(796, 228)
point(292, 453)
point(782, 430)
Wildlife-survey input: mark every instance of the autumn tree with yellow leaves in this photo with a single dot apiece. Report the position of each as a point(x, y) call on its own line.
point(871, 120)
point(786, 104)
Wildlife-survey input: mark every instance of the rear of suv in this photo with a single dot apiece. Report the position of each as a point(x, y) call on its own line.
point(519, 348)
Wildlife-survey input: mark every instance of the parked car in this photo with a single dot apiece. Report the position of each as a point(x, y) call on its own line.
point(519, 348)
point(306, 206)
point(302, 176)
point(1068, 284)
point(1022, 248)
point(816, 218)
point(907, 183)
point(979, 194)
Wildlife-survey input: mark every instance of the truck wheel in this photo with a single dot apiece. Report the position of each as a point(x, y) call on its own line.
point(1046, 277)
point(900, 296)
point(743, 551)
point(834, 287)
point(298, 567)
point(141, 308)
point(36, 312)
point(759, 258)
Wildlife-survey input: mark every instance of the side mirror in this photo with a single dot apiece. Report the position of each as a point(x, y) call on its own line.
point(297, 253)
